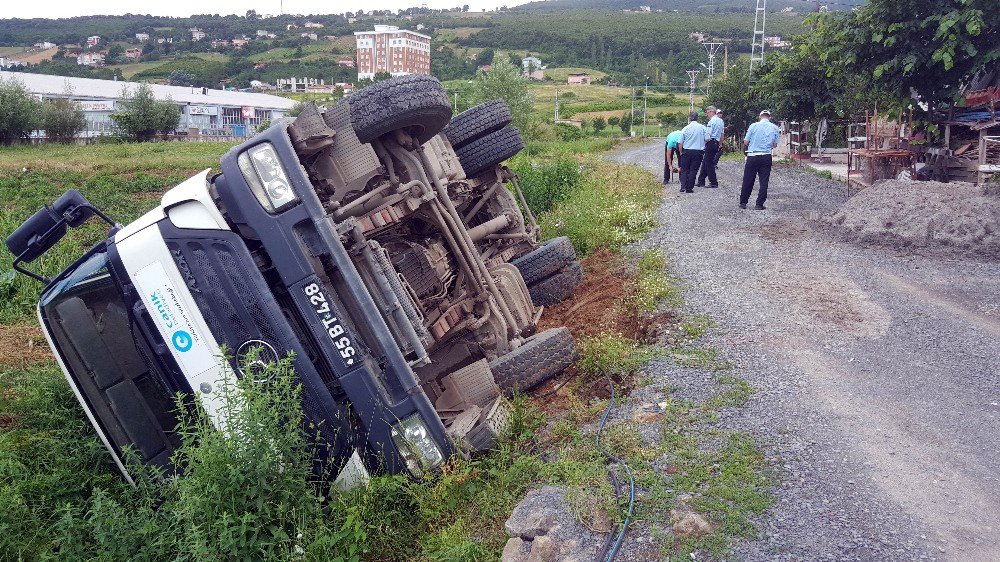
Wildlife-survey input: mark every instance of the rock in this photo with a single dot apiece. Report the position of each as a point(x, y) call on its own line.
point(529, 525)
point(515, 551)
point(645, 417)
point(687, 524)
point(543, 549)
point(600, 521)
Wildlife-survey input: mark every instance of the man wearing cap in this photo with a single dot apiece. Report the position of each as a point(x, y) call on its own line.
point(692, 145)
point(715, 129)
point(718, 155)
point(761, 138)
point(670, 152)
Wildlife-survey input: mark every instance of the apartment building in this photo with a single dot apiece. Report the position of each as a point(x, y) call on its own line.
point(393, 50)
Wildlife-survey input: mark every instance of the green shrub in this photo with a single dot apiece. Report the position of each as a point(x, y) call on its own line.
point(546, 183)
point(567, 132)
point(613, 354)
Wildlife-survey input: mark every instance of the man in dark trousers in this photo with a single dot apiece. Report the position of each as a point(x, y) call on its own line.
point(671, 151)
point(692, 144)
point(712, 149)
point(760, 139)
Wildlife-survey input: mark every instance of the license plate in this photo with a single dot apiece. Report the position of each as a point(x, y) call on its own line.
point(334, 329)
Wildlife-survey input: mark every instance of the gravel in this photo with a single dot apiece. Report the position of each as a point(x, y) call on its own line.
point(877, 371)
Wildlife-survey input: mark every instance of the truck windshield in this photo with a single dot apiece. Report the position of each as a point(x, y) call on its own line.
point(112, 370)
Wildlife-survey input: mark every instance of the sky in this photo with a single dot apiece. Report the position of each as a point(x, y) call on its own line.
point(64, 8)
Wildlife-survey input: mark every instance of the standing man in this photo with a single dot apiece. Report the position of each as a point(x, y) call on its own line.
point(718, 155)
point(692, 144)
point(761, 138)
point(712, 146)
point(671, 151)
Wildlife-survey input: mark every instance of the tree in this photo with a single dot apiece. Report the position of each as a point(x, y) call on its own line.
point(116, 54)
point(614, 121)
point(504, 80)
point(625, 122)
point(20, 113)
point(734, 94)
point(599, 124)
point(140, 115)
point(931, 49)
point(63, 119)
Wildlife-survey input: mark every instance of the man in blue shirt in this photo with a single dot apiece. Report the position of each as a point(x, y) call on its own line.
point(692, 146)
point(761, 138)
point(715, 129)
point(670, 151)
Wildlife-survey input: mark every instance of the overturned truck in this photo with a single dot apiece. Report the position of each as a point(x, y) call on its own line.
point(379, 241)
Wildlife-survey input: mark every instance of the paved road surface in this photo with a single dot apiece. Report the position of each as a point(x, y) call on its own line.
point(877, 372)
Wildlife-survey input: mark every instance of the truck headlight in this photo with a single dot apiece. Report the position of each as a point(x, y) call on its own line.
point(262, 169)
point(414, 442)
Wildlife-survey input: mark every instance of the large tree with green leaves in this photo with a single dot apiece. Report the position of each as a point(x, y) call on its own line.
point(930, 49)
point(20, 112)
point(504, 80)
point(140, 115)
point(63, 119)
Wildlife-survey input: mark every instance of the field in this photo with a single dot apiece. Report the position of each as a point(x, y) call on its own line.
point(561, 74)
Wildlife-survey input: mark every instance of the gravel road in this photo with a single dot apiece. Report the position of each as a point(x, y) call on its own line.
point(877, 372)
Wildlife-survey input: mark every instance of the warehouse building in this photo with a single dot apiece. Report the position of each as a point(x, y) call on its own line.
point(204, 111)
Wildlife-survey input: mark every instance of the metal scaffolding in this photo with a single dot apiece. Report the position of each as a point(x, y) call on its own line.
point(712, 49)
point(757, 48)
point(693, 74)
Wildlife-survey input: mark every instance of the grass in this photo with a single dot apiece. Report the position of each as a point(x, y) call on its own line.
point(562, 74)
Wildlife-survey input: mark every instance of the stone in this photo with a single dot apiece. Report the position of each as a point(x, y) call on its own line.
point(687, 524)
point(543, 549)
point(600, 521)
point(644, 417)
point(530, 523)
point(515, 551)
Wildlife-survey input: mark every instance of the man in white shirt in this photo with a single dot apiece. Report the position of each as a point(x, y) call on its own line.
point(716, 127)
point(761, 138)
point(692, 145)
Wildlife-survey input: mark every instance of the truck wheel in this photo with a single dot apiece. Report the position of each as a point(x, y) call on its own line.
point(545, 260)
point(478, 121)
point(487, 151)
point(558, 287)
point(541, 357)
point(416, 102)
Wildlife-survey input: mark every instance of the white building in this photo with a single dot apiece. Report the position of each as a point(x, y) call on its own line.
point(313, 24)
point(90, 59)
point(162, 40)
point(9, 63)
point(45, 45)
point(392, 50)
point(142, 37)
point(532, 68)
point(197, 34)
point(310, 36)
point(93, 40)
point(265, 33)
point(203, 111)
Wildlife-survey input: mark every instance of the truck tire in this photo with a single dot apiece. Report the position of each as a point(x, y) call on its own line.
point(558, 287)
point(489, 150)
point(545, 260)
point(541, 357)
point(416, 102)
point(480, 120)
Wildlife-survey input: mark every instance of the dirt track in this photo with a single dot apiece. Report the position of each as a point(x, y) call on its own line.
point(877, 373)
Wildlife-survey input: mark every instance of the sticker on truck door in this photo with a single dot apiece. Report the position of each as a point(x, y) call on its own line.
point(170, 312)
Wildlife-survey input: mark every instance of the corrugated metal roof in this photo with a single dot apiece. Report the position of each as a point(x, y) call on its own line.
point(92, 88)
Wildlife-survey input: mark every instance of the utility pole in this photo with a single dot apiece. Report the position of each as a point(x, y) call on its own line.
point(725, 63)
point(631, 119)
point(757, 47)
point(456, 103)
point(556, 118)
point(644, 90)
point(712, 49)
point(693, 74)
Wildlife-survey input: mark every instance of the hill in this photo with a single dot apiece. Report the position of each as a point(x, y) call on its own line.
point(801, 6)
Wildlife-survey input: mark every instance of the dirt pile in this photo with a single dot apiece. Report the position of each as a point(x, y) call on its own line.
point(954, 219)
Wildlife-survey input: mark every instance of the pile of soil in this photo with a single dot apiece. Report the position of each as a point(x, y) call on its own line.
point(954, 219)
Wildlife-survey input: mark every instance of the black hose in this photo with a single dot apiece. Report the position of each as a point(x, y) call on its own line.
point(610, 550)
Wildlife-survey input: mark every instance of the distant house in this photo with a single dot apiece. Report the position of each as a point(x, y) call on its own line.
point(220, 43)
point(90, 59)
point(197, 34)
point(133, 53)
point(310, 36)
point(267, 34)
point(346, 86)
point(162, 40)
point(697, 36)
point(240, 43)
point(352, 20)
point(93, 40)
point(646, 9)
point(776, 42)
point(532, 68)
point(313, 25)
point(10, 63)
point(420, 27)
point(142, 37)
point(290, 27)
point(46, 45)
point(346, 63)
point(578, 78)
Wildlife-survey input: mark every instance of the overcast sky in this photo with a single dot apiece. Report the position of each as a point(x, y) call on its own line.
point(64, 8)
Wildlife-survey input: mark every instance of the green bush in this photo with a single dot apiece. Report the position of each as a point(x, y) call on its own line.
point(567, 132)
point(546, 183)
